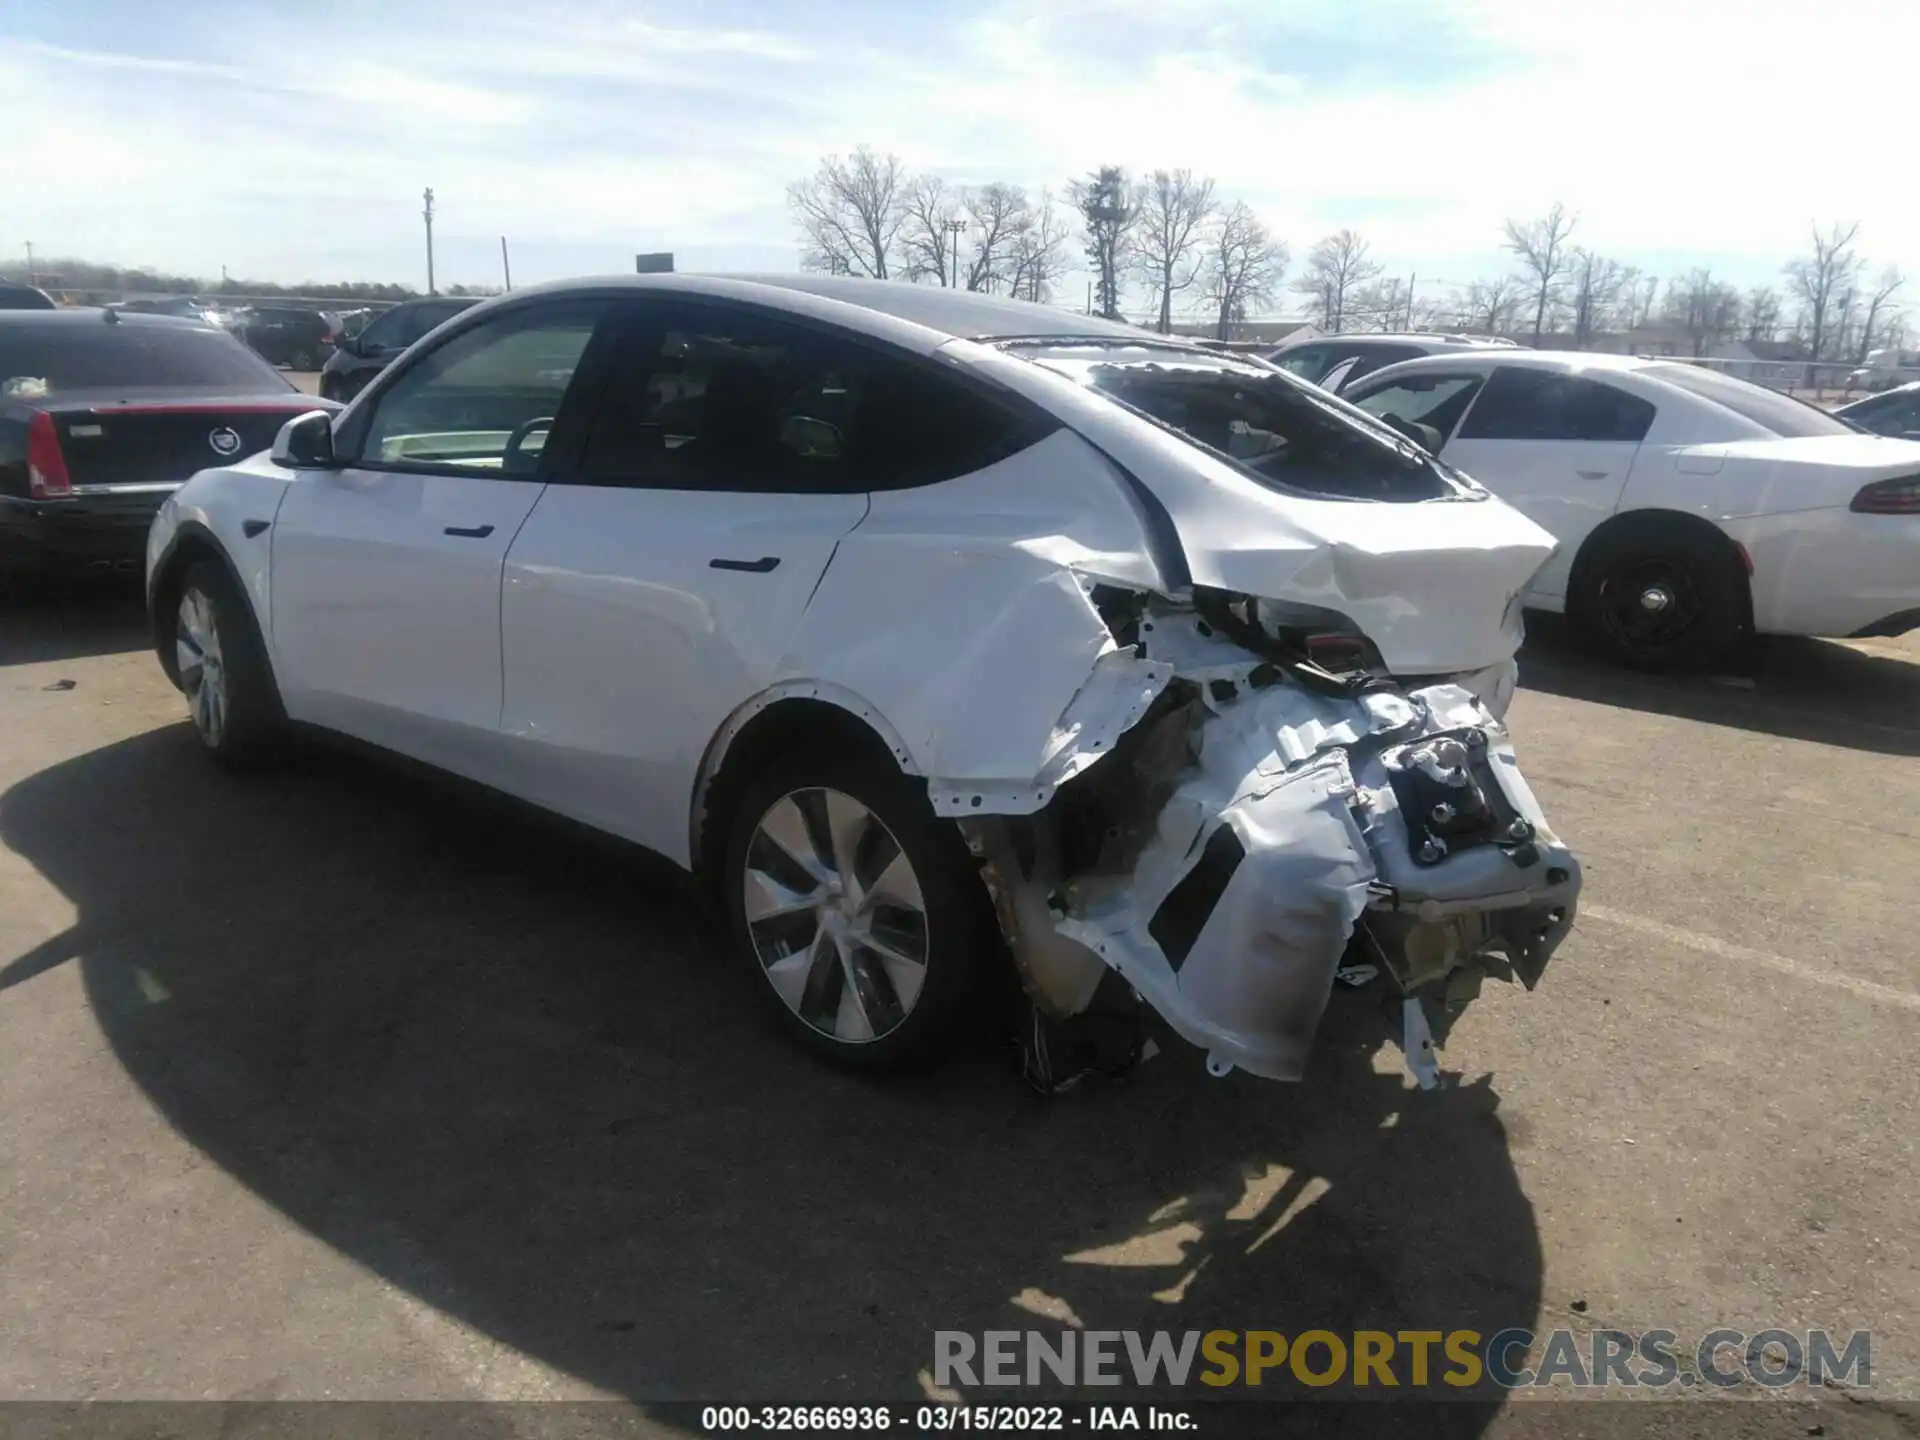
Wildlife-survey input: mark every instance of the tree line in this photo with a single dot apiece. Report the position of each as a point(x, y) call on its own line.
point(1171, 234)
point(70, 276)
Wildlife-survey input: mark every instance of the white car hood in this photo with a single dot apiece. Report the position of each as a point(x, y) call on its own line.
point(1433, 584)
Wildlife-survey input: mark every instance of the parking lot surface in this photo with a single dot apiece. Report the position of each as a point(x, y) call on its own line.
point(347, 1082)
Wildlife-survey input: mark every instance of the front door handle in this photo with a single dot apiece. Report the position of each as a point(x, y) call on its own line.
point(1593, 474)
point(761, 566)
point(478, 532)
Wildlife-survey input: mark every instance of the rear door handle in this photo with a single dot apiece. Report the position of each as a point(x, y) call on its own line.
point(478, 532)
point(761, 566)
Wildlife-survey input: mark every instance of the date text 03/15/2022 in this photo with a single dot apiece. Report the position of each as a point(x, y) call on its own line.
point(923, 1419)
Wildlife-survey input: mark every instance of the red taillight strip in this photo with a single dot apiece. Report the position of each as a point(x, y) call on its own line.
point(299, 408)
point(1889, 497)
point(47, 477)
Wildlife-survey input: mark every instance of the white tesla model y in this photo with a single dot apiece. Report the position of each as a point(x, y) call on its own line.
point(934, 630)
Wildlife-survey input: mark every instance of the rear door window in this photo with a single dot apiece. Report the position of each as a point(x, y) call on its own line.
point(722, 398)
point(1527, 404)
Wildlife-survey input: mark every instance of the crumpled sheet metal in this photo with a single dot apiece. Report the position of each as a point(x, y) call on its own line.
point(1302, 781)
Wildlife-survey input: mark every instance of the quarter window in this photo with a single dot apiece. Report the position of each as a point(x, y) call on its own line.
point(486, 400)
point(1527, 404)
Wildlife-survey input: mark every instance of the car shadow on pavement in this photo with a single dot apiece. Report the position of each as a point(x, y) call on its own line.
point(1792, 687)
point(54, 620)
point(507, 1068)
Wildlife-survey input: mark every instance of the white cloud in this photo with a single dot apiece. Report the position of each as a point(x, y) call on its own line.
point(1681, 132)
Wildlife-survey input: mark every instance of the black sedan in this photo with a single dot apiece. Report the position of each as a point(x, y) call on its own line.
point(290, 335)
point(103, 415)
point(357, 359)
point(1893, 412)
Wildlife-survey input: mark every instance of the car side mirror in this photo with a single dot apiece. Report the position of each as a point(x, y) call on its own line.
point(305, 442)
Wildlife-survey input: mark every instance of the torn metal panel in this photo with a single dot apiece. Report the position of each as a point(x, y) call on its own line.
point(1283, 831)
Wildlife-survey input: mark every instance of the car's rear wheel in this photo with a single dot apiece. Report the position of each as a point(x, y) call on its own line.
point(856, 908)
point(223, 671)
point(304, 360)
point(1660, 599)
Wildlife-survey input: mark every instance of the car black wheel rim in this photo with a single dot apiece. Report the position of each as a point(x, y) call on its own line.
point(1648, 606)
point(836, 916)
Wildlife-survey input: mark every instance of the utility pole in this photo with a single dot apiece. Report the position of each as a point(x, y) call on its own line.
point(1412, 280)
point(427, 215)
point(954, 228)
point(506, 270)
point(33, 275)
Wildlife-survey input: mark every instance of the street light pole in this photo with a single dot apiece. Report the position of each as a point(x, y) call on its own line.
point(33, 275)
point(427, 215)
point(955, 227)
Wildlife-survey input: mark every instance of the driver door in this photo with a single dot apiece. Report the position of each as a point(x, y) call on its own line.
point(386, 570)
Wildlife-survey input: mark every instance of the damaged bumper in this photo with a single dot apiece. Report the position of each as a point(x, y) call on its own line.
point(1250, 837)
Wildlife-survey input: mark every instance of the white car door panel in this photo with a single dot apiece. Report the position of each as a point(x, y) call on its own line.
point(386, 599)
point(633, 622)
point(1559, 448)
point(387, 570)
point(1567, 487)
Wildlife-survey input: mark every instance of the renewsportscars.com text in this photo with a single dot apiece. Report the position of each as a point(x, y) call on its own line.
point(1397, 1359)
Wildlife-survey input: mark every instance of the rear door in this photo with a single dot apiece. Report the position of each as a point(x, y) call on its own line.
point(386, 571)
point(657, 585)
point(1557, 447)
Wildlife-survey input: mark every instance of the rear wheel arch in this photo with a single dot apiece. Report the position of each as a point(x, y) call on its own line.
point(803, 716)
point(1625, 525)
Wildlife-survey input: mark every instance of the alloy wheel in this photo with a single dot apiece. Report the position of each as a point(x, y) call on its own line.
point(836, 915)
point(203, 673)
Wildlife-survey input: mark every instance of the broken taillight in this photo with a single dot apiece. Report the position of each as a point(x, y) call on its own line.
point(1889, 497)
point(47, 477)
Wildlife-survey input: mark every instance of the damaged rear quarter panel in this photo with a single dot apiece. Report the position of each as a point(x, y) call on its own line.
point(960, 611)
point(1432, 583)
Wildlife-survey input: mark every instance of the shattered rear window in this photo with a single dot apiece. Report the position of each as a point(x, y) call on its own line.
point(1282, 432)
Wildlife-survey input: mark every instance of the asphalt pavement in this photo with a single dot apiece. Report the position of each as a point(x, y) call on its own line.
point(347, 1082)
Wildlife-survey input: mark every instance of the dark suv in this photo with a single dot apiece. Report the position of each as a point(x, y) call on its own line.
point(289, 335)
point(357, 360)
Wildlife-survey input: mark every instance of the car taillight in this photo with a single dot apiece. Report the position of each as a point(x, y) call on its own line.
point(47, 477)
point(1889, 497)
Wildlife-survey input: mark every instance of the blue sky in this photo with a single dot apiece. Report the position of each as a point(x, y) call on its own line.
point(291, 141)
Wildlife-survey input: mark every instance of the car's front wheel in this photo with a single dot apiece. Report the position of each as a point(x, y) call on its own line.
point(223, 671)
point(856, 907)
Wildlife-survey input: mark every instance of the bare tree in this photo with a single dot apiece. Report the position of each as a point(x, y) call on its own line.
point(1707, 308)
point(1763, 313)
point(1488, 305)
point(932, 211)
point(1035, 258)
point(1336, 267)
point(1109, 210)
point(850, 213)
point(1646, 290)
point(1242, 266)
point(1542, 247)
point(997, 214)
point(1174, 208)
point(1379, 306)
point(1879, 302)
point(1596, 283)
point(1818, 278)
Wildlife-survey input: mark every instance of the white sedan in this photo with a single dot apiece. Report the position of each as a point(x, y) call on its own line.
point(928, 628)
point(1690, 506)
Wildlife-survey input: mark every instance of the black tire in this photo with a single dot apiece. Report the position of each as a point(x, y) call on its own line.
point(958, 933)
point(242, 725)
point(1660, 597)
point(302, 360)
